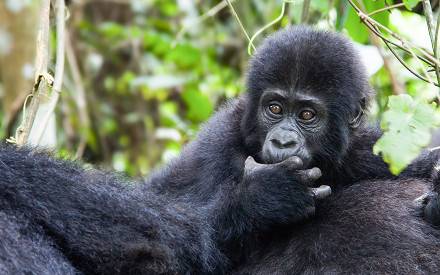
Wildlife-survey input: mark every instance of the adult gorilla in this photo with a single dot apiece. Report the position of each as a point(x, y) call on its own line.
point(235, 193)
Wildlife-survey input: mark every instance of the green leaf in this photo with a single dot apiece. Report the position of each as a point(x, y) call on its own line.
point(157, 43)
point(407, 126)
point(381, 17)
point(168, 113)
point(321, 5)
point(410, 4)
point(169, 8)
point(199, 105)
point(356, 29)
point(123, 83)
point(112, 30)
point(184, 55)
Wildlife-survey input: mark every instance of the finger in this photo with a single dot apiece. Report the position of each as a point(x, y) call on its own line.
point(310, 175)
point(292, 163)
point(321, 192)
point(250, 165)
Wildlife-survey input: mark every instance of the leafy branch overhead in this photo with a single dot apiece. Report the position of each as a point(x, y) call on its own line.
point(410, 4)
point(140, 80)
point(407, 126)
point(408, 122)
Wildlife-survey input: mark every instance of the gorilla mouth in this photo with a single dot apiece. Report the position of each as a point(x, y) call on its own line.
point(277, 157)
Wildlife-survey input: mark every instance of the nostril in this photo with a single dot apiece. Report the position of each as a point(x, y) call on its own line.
point(277, 143)
point(289, 143)
point(283, 144)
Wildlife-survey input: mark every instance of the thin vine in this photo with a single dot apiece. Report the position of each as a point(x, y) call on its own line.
point(251, 46)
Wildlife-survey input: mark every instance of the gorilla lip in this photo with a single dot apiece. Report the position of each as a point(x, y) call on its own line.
point(279, 159)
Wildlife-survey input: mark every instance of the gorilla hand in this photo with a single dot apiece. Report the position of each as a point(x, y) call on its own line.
point(279, 193)
point(430, 202)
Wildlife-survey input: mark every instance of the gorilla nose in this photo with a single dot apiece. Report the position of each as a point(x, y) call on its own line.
point(284, 142)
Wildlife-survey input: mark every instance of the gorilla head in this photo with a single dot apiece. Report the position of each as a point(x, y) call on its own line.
point(308, 91)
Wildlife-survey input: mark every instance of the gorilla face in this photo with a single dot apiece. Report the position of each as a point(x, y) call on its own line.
point(287, 122)
point(306, 91)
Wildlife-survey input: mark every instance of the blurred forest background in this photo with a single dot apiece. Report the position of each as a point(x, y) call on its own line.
point(141, 76)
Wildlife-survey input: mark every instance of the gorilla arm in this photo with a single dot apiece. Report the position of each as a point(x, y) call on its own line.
point(361, 164)
point(101, 223)
point(104, 224)
point(423, 167)
point(431, 201)
point(242, 197)
point(270, 194)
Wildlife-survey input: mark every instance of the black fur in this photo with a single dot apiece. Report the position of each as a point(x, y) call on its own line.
point(99, 222)
point(431, 201)
point(25, 249)
point(371, 227)
point(205, 213)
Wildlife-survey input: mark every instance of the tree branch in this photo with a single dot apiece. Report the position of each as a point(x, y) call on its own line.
point(417, 52)
point(433, 36)
point(79, 95)
point(42, 79)
point(305, 11)
point(59, 65)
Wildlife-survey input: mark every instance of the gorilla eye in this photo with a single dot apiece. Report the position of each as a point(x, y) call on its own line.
point(306, 115)
point(275, 109)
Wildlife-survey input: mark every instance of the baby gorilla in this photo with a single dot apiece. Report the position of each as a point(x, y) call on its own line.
point(236, 191)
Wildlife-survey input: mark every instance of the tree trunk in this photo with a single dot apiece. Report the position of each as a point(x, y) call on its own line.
point(16, 60)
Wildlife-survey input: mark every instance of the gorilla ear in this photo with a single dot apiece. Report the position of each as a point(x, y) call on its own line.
point(356, 121)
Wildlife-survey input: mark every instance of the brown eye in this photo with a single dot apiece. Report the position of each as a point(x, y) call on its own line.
point(306, 115)
point(275, 109)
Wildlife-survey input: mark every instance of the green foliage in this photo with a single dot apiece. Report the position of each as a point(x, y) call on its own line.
point(409, 4)
point(407, 125)
point(184, 55)
point(357, 30)
point(153, 90)
point(166, 65)
point(199, 106)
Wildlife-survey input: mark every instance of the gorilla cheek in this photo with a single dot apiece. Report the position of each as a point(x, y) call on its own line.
point(281, 144)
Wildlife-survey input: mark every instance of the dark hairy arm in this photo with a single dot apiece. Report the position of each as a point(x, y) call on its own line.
point(431, 201)
point(243, 198)
point(184, 219)
point(103, 224)
point(360, 163)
